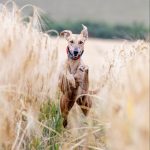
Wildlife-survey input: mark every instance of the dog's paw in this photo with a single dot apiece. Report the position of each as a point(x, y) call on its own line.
point(86, 68)
point(83, 68)
point(73, 83)
point(71, 80)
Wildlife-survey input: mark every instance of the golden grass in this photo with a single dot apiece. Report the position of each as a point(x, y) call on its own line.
point(28, 74)
point(29, 67)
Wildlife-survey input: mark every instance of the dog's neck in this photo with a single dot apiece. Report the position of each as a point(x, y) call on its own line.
point(73, 65)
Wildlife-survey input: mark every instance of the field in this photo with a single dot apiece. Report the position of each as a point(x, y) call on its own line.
point(30, 62)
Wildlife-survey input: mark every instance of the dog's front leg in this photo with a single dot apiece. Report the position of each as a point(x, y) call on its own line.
point(70, 79)
point(85, 83)
point(66, 84)
point(66, 81)
point(84, 101)
point(82, 78)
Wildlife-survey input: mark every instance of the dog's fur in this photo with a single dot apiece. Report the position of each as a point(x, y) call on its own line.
point(74, 80)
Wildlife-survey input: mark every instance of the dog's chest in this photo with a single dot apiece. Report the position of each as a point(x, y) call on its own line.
point(73, 68)
point(73, 71)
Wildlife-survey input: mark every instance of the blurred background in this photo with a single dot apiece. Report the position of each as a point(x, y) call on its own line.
point(127, 19)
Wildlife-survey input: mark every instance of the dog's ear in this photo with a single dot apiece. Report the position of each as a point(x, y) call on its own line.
point(84, 32)
point(66, 34)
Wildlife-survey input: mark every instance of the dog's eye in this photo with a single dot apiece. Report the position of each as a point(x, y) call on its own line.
point(71, 41)
point(80, 42)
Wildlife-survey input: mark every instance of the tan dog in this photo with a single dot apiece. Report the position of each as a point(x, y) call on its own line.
point(73, 81)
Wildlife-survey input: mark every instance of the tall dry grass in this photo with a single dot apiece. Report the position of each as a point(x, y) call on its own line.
point(29, 69)
point(28, 75)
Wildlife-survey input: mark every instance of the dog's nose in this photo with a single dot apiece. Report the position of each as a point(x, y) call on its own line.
point(75, 53)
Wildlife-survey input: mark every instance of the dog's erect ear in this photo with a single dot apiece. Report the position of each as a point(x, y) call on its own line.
point(66, 34)
point(84, 32)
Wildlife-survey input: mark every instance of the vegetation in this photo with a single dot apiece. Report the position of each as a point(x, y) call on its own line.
point(99, 30)
point(50, 116)
point(29, 96)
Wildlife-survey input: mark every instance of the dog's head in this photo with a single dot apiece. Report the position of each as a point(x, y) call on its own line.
point(75, 41)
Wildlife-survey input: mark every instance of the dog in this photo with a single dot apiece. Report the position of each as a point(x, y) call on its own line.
point(74, 78)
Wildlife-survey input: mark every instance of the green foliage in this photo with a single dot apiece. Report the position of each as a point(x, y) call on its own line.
point(99, 30)
point(50, 116)
point(50, 113)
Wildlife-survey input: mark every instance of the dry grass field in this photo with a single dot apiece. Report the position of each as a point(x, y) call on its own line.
point(30, 62)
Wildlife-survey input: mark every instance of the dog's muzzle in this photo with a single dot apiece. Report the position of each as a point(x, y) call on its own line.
point(75, 55)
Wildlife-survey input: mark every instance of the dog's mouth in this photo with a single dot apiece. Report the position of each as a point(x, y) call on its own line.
point(75, 54)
